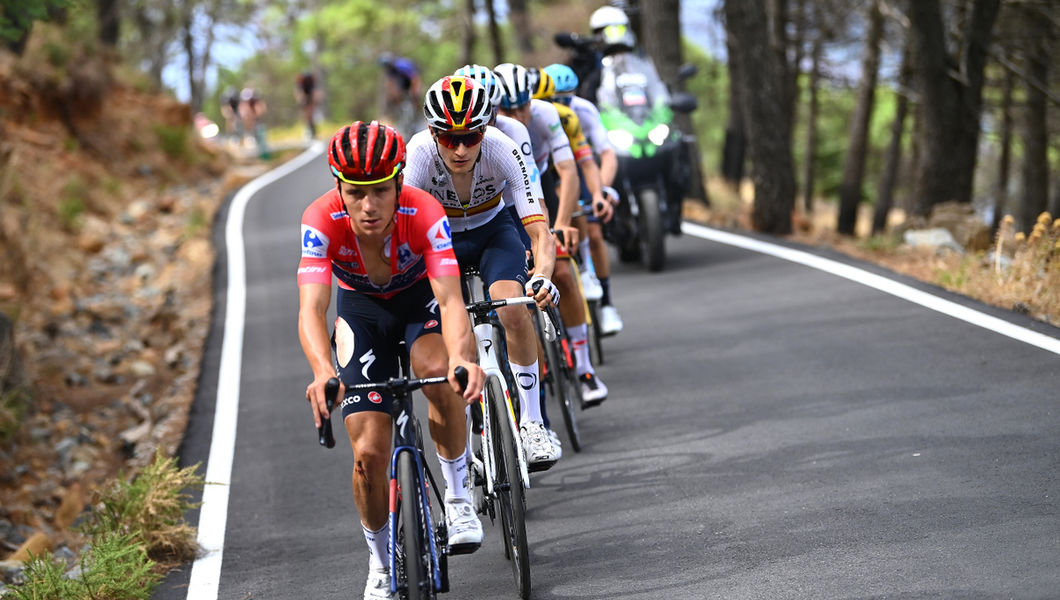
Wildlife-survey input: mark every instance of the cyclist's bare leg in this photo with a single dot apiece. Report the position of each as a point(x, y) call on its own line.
point(446, 412)
point(597, 247)
point(572, 304)
point(522, 340)
point(370, 434)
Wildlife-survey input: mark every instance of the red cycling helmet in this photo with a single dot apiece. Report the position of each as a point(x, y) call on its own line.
point(366, 153)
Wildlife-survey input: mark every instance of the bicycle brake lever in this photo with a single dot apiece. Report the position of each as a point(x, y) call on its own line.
point(331, 390)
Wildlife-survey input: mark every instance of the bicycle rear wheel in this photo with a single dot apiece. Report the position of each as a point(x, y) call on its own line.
point(414, 558)
point(596, 348)
point(553, 380)
point(510, 491)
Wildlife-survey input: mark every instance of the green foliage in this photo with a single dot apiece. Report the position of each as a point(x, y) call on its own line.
point(173, 140)
point(151, 508)
point(18, 16)
point(711, 87)
point(116, 567)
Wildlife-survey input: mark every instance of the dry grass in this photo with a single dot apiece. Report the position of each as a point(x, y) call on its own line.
point(1020, 273)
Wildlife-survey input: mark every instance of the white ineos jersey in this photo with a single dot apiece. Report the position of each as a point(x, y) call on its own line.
point(592, 125)
point(547, 135)
point(517, 131)
point(500, 175)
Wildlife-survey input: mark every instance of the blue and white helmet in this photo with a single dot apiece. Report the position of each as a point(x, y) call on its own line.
point(484, 77)
point(514, 84)
point(565, 77)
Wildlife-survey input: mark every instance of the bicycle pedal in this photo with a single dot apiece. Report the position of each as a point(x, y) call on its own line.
point(454, 549)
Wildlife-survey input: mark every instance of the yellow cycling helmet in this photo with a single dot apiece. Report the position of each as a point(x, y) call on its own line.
point(542, 84)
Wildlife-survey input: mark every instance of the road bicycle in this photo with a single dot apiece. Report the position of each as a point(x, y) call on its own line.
point(501, 471)
point(560, 378)
point(419, 546)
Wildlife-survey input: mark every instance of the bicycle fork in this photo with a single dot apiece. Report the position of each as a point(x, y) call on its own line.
point(485, 336)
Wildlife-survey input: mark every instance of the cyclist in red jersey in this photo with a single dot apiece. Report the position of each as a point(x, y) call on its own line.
point(390, 249)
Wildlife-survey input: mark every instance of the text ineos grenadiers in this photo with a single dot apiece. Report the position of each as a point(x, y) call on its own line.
point(526, 176)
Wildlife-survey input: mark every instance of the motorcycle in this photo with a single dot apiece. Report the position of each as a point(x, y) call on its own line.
point(654, 164)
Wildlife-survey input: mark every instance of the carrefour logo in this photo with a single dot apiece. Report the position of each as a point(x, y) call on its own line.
point(314, 243)
point(440, 235)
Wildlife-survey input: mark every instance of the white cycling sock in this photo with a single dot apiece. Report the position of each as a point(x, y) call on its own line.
point(579, 339)
point(529, 392)
point(378, 546)
point(454, 471)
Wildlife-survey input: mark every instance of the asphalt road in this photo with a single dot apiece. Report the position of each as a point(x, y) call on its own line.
point(773, 431)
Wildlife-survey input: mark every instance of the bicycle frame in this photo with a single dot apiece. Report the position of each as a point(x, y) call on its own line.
point(489, 335)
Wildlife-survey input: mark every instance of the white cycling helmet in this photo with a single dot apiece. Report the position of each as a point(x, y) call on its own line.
point(483, 76)
point(605, 16)
point(514, 84)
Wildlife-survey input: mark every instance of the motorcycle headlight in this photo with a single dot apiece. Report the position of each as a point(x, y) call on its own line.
point(621, 139)
point(658, 134)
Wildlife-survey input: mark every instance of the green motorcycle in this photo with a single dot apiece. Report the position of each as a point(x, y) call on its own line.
point(654, 170)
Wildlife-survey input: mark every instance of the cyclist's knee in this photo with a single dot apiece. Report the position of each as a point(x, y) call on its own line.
point(369, 460)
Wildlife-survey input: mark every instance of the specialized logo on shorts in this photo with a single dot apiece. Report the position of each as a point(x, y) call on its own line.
point(526, 380)
point(374, 397)
point(432, 306)
point(314, 243)
point(367, 359)
point(430, 324)
point(440, 235)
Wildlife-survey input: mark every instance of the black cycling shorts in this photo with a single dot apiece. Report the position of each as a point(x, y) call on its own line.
point(369, 349)
point(495, 247)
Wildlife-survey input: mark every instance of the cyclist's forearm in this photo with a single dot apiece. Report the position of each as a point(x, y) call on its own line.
point(608, 167)
point(456, 329)
point(568, 192)
point(313, 333)
point(591, 176)
point(543, 246)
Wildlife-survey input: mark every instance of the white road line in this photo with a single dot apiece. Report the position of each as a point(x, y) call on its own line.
point(213, 516)
point(883, 284)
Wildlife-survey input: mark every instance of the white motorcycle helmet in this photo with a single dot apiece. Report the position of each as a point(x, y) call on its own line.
point(611, 25)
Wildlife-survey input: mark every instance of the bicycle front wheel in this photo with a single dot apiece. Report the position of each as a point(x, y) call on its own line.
point(413, 552)
point(510, 491)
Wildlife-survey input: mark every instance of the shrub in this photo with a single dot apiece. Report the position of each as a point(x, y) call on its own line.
point(151, 509)
point(115, 567)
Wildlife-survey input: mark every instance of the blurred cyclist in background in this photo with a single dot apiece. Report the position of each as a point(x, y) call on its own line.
point(402, 97)
point(307, 93)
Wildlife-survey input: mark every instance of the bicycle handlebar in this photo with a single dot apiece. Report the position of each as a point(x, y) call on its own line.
point(487, 306)
point(331, 390)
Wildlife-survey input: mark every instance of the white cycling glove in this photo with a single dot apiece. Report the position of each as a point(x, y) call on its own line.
point(548, 285)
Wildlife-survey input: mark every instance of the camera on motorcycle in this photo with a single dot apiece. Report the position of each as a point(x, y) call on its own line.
point(683, 102)
point(565, 39)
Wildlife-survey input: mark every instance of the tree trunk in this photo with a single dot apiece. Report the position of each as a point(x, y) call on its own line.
point(1035, 126)
point(468, 19)
point(107, 11)
point(854, 165)
point(950, 103)
point(520, 18)
point(885, 192)
point(495, 34)
point(767, 123)
point(1004, 161)
point(734, 150)
point(809, 168)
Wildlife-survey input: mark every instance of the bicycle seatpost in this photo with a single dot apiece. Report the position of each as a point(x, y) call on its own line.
point(331, 391)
